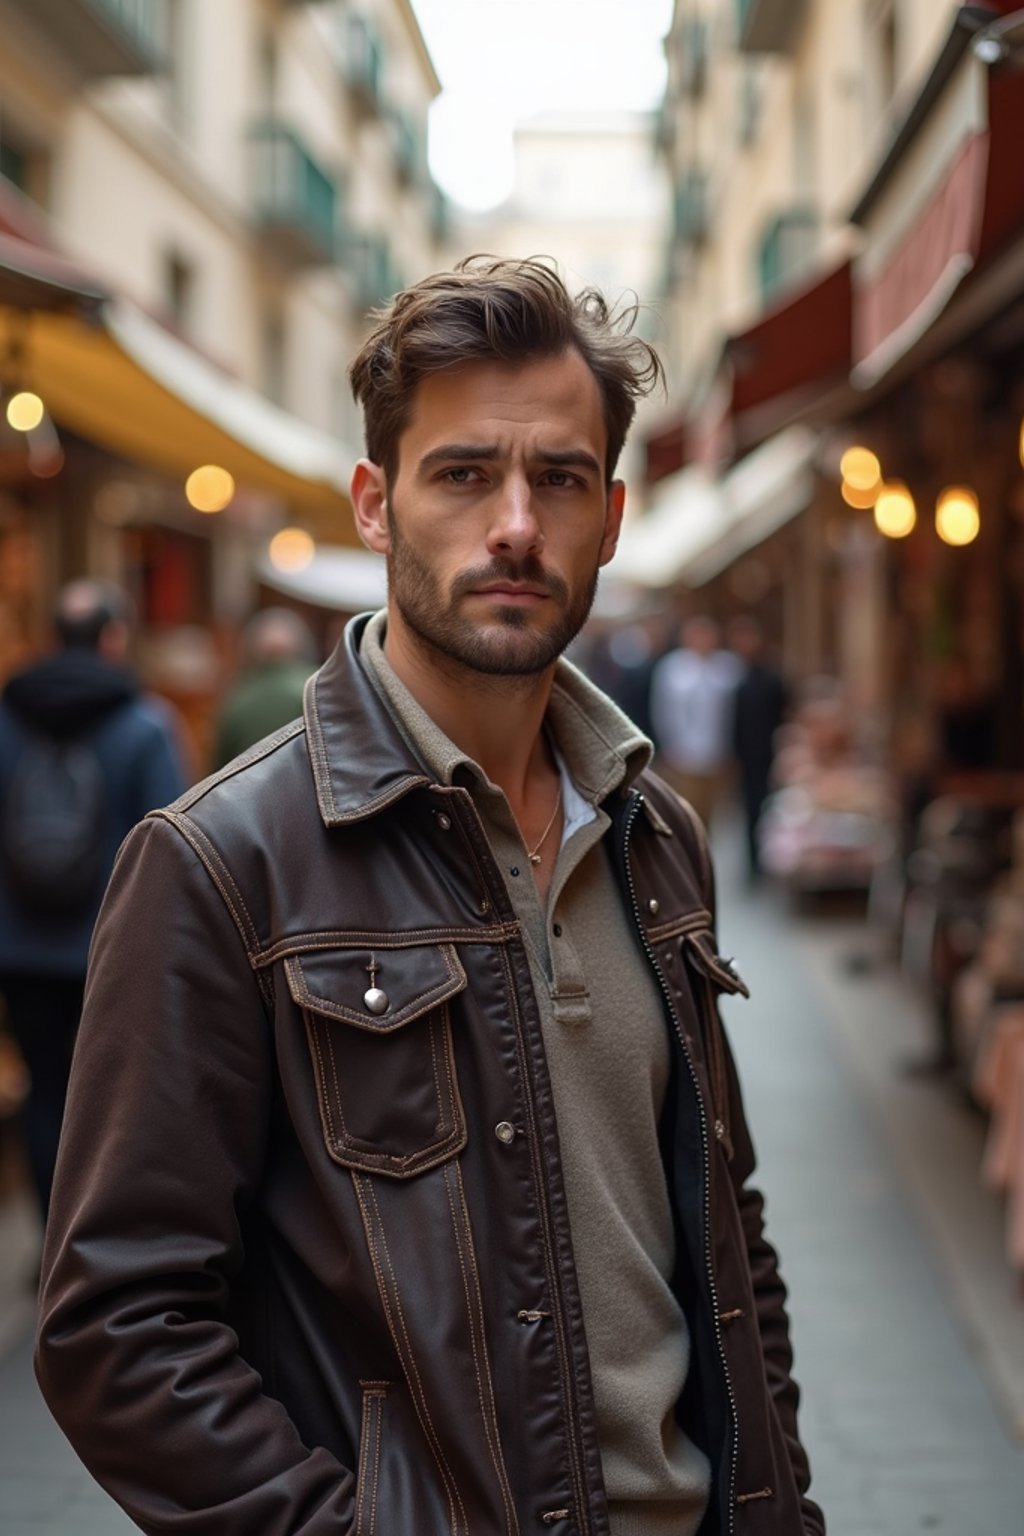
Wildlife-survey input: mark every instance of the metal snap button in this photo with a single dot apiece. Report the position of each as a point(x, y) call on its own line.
point(654, 906)
point(376, 1001)
point(505, 1132)
point(444, 822)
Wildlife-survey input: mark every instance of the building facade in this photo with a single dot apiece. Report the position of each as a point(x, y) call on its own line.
point(239, 183)
point(845, 269)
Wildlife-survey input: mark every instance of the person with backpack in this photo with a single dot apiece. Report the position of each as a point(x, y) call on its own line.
point(83, 756)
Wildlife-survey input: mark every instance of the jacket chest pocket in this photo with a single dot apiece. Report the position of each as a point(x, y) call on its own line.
point(380, 1038)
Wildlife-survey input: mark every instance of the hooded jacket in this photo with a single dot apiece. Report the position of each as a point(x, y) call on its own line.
point(76, 694)
point(313, 1273)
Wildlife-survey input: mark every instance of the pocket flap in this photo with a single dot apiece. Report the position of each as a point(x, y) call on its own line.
point(702, 951)
point(404, 983)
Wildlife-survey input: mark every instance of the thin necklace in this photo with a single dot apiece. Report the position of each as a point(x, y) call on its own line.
point(533, 854)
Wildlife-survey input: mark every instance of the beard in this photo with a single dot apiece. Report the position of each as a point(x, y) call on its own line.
point(510, 645)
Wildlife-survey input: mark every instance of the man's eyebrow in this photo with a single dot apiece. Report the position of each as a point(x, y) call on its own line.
point(490, 453)
point(461, 453)
point(568, 458)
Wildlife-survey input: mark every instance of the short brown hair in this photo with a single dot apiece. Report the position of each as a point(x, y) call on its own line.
point(489, 309)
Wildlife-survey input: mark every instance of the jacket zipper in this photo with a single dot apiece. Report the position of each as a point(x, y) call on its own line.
point(634, 810)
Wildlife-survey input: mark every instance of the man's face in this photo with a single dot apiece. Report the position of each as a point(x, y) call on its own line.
point(499, 515)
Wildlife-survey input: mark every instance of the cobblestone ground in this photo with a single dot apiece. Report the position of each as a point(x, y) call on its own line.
point(909, 1332)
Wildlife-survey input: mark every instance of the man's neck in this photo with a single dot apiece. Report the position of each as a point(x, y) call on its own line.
point(495, 720)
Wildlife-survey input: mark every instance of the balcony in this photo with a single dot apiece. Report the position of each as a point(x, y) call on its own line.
point(406, 145)
point(786, 249)
point(769, 26)
point(362, 60)
point(693, 57)
point(106, 37)
point(690, 220)
point(294, 202)
point(368, 264)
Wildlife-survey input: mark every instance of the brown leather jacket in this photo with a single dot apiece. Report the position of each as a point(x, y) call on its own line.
point(308, 1267)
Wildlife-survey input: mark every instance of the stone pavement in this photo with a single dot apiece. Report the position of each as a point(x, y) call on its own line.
point(909, 1327)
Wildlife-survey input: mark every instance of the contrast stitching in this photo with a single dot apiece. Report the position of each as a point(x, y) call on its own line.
point(549, 1261)
point(218, 874)
point(454, 982)
point(487, 1403)
point(413, 938)
point(210, 860)
point(382, 1289)
point(254, 754)
point(429, 1426)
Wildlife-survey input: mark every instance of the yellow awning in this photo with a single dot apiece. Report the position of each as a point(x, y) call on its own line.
point(122, 381)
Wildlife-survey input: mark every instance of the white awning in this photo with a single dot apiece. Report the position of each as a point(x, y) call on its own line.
point(345, 580)
point(699, 525)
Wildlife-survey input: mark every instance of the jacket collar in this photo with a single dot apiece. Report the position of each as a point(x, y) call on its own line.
point(360, 760)
point(343, 708)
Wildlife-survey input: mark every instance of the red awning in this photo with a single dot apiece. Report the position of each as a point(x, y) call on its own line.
point(975, 208)
point(768, 376)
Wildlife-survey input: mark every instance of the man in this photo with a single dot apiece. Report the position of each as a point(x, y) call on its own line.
point(278, 653)
point(83, 757)
point(759, 708)
point(691, 712)
point(424, 1208)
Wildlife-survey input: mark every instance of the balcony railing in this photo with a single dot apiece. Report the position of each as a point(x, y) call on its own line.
point(106, 37)
point(690, 208)
point(786, 249)
point(769, 26)
point(408, 155)
point(362, 63)
point(294, 201)
point(370, 268)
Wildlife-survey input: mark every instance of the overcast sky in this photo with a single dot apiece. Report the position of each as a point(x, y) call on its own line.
point(502, 60)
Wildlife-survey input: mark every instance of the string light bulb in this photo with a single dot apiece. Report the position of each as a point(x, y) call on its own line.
point(209, 488)
point(957, 516)
point(895, 512)
point(25, 411)
point(292, 549)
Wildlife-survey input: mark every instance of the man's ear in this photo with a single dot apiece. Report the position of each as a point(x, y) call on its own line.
point(613, 520)
point(370, 506)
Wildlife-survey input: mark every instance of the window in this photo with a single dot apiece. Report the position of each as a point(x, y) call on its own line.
point(179, 290)
point(23, 164)
point(274, 356)
point(881, 56)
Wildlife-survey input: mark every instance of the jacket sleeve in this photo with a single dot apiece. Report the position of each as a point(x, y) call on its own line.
point(162, 1151)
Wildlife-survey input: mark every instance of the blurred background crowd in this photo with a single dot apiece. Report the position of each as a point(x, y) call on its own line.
point(817, 611)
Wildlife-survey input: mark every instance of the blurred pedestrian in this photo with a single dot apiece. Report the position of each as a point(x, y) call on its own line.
point(83, 756)
point(691, 714)
point(759, 708)
point(278, 654)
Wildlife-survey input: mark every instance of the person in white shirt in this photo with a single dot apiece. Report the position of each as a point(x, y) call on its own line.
point(691, 712)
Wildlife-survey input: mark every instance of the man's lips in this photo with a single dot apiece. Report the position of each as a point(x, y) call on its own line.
point(512, 592)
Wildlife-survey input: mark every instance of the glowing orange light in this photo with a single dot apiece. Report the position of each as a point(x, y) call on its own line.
point(957, 518)
point(209, 488)
point(860, 497)
point(860, 468)
point(292, 549)
point(25, 411)
point(895, 512)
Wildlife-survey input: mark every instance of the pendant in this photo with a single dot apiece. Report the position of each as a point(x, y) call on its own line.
point(534, 858)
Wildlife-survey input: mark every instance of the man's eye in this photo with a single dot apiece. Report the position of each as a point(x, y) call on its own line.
point(560, 479)
point(461, 474)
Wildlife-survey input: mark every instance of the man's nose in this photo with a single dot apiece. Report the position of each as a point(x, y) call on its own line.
point(515, 529)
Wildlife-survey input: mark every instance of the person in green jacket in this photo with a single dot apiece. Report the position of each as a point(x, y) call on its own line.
point(279, 653)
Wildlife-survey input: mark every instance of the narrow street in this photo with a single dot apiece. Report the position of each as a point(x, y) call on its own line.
point(909, 1326)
